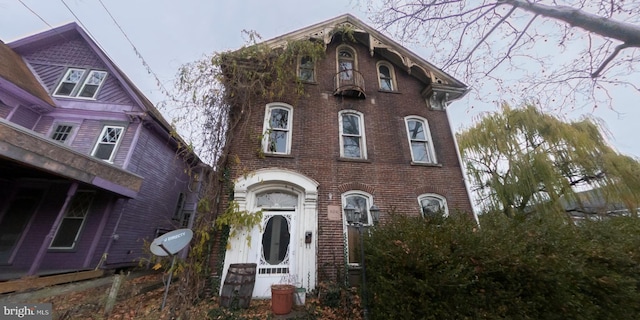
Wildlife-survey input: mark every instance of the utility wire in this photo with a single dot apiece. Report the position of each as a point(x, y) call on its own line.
point(144, 62)
point(39, 17)
point(78, 19)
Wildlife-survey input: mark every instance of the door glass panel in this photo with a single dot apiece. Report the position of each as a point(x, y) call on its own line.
point(275, 240)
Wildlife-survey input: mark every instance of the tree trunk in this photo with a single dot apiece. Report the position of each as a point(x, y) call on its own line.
point(610, 28)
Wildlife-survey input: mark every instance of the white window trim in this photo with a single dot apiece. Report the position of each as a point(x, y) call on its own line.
point(345, 224)
point(437, 196)
point(363, 142)
point(75, 87)
point(79, 86)
point(430, 149)
point(116, 146)
point(267, 126)
point(84, 220)
point(72, 134)
point(84, 83)
point(392, 74)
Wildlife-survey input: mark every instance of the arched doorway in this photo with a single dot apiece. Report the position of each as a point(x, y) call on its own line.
point(278, 244)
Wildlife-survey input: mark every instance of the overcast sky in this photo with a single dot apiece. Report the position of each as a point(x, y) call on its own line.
point(169, 33)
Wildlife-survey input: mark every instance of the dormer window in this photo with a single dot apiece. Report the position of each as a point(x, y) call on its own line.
point(80, 83)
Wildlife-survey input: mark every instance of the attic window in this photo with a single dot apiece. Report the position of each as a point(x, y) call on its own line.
point(80, 83)
point(386, 77)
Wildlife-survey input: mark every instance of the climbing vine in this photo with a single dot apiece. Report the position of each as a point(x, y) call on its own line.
point(214, 98)
point(238, 220)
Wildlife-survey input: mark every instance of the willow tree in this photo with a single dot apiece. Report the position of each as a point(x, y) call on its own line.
point(521, 159)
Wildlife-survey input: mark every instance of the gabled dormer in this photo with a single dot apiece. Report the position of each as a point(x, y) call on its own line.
point(98, 106)
point(72, 67)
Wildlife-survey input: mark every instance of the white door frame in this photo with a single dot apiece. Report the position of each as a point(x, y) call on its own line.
point(306, 220)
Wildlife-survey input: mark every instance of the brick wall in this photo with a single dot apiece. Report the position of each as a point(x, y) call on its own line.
point(387, 173)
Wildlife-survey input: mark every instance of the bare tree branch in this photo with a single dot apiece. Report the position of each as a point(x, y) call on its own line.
point(571, 56)
point(596, 74)
point(625, 32)
point(489, 33)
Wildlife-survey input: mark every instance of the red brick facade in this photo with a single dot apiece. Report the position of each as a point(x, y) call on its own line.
point(387, 174)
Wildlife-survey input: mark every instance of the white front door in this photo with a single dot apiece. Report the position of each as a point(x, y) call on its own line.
point(272, 249)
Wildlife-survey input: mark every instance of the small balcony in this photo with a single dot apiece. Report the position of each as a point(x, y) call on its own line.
point(349, 83)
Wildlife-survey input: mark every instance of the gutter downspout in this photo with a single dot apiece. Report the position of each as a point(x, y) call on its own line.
point(462, 168)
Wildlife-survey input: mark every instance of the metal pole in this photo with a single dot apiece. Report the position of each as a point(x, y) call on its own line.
point(166, 289)
point(365, 309)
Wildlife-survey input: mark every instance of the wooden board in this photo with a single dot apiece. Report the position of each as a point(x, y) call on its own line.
point(40, 282)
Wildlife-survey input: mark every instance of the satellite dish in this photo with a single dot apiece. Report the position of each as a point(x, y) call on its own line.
point(171, 243)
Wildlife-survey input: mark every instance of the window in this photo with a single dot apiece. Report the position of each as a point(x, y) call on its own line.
point(76, 83)
point(386, 77)
point(62, 133)
point(420, 140)
point(432, 205)
point(362, 202)
point(277, 129)
point(92, 83)
point(69, 82)
point(347, 63)
point(69, 228)
point(352, 139)
point(306, 69)
point(107, 143)
point(181, 215)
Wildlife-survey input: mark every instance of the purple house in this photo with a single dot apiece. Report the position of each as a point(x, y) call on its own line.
point(89, 169)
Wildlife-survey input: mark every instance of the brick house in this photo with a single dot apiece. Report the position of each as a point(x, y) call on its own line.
point(89, 168)
point(372, 129)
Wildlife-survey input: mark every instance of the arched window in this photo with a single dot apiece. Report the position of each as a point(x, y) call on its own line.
point(352, 138)
point(386, 76)
point(432, 205)
point(277, 128)
point(347, 62)
point(420, 140)
point(361, 202)
point(306, 69)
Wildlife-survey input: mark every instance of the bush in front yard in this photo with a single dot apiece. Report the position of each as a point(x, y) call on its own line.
point(535, 268)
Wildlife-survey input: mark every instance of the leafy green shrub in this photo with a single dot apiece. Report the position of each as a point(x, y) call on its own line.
point(536, 268)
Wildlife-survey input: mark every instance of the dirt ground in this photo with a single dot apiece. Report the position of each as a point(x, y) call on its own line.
point(140, 297)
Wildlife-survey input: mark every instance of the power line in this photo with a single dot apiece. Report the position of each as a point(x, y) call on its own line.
point(37, 15)
point(80, 22)
point(144, 62)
